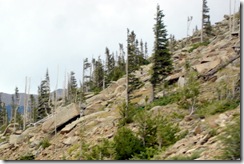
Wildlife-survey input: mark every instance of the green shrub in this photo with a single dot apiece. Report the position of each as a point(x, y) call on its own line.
point(29, 156)
point(219, 106)
point(195, 46)
point(147, 154)
point(45, 143)
point(147, 127)
point(104, 150)
point(231, 140)
point(162, 101)
point(126, 115)
point(166, 133)
point(126, 144)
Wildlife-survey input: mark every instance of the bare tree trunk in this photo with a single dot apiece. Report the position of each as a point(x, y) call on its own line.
point(55, 112)
point(213, 71)
point(64, 88)
point(193, 106)
point(202, 23)
point(230, 19)
point(25, 104)
point(15, 113)
point(127, 83)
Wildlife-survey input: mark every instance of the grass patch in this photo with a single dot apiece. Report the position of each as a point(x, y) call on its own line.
point(217, 107)
point(73, 148)
point(196, 45)
point(45, 143)
point(162, 101)
point(231, 140)
point(29, 156)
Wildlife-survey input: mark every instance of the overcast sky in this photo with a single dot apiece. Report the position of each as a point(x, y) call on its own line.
point(40, 34)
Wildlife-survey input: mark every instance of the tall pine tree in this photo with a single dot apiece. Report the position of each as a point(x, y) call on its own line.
point(3, 114)
point(206, 24)
point(162, 63)
point(133, 62)
point(72, 88)
point(44, 101)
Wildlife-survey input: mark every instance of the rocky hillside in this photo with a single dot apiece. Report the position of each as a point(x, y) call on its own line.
point(218, 66)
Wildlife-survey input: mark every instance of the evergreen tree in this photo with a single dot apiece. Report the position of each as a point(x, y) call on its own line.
point(33, 107)
point(133, 64)
point(146, 51)
point(121, 59)
point(44, 101)
point(110, 65)
point(98, 74)
point(172, 43)
point(3, 114)
point(72, 87)
point(206, 24)
point(162, 63)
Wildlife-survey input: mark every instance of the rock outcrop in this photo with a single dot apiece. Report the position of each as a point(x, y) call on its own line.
point(64, 114)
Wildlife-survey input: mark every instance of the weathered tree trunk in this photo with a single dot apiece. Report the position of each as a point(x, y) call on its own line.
point(215, 70)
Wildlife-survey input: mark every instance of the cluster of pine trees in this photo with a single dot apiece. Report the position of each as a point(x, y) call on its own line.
point(98, 74)
point(114, 67)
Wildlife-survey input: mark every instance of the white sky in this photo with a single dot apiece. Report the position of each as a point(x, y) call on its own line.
point(40, 34)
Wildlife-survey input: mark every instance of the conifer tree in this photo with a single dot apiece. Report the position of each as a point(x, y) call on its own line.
point(162, 63)
point(121, 58)
point(17, 102)
point(98, 74)
point(133, 62)
point(110, 65)
point(72, 87)
point(206, 24)
point(44, 101)
point(172, 43)
point(3, 114)
point(33, 107)
point(146, 51)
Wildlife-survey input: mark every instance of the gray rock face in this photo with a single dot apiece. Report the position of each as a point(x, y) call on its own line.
point(63, 115)
point(70, 140)
point(14, 139)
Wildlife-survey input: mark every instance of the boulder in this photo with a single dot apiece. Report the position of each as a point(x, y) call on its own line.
point(156, 109)
point(94, 108)
point(121, 81)
point(69, 127)
point(206, 67)
point(99, 97)
point(5, 146)
point(18, 132)
point(35, 143)
point(111, 88)
point(175, 76)
point(64, 115)
point(14, 139)
point(70, 140)
point(181, 82)
point(119, 90)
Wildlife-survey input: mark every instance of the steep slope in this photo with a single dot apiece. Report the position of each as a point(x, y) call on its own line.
point(100, 118)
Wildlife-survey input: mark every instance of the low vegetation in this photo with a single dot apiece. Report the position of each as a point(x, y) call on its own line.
point(217, 106)
point(45, 143)
point(28, 156)
point(231, 140)
point(196, 45)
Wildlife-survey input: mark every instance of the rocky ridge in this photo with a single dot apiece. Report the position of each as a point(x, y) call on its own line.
point(101, 115)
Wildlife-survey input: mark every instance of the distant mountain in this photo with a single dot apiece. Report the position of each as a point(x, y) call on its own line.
point(7, 98)
point(9, 108)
